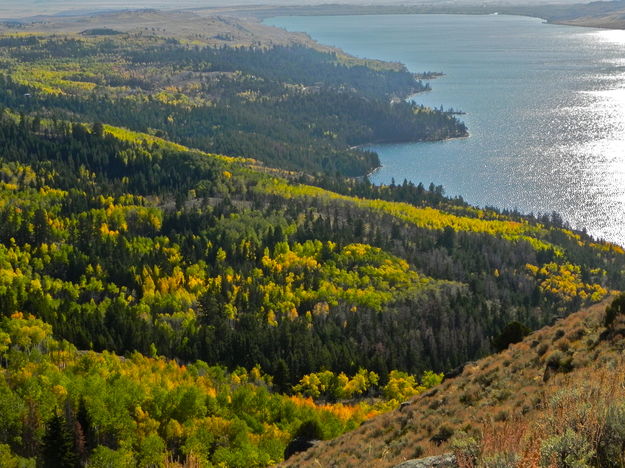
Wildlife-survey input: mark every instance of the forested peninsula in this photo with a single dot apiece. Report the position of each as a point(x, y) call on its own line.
point(291, 107)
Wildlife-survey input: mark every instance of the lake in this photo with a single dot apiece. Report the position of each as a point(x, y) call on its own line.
point(545, 109)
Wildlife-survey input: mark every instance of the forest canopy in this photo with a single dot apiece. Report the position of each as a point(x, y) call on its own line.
point(162, 303)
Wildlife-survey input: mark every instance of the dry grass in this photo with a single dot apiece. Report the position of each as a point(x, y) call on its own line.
point(187, 26)
point(568, 375)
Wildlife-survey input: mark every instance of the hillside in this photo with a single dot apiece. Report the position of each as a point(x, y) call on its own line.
point(610, 14)
point(137, 259)
point(25, 8)
point(66, 407)
point(125, 243)
point(184, 24)
point(601, 14)
point(556, 394)
point(289, 105)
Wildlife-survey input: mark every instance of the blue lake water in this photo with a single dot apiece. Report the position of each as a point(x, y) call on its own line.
point(545, 109)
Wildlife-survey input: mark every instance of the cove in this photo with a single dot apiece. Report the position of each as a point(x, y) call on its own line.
point(545, 109)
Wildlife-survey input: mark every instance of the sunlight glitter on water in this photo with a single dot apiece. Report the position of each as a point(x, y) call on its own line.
point(545, 109)
point(611, 36)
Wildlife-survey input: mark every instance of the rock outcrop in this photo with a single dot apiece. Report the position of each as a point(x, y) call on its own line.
point(440, 461)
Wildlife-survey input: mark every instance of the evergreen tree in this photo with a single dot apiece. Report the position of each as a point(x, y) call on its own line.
point(85, 425)
point(58, 445)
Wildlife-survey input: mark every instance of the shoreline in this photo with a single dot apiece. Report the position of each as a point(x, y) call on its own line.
point(586, 15)
point(403, 142)
point(376, 169)
point(407, 98)
point(574, 15)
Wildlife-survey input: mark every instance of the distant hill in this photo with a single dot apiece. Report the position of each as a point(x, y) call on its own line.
point(595, 14)
point(30, 8)
point(558, 393)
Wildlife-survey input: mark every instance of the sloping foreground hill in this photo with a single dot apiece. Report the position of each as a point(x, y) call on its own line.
point(125, 243)
point(555, 399)
point(63, 407)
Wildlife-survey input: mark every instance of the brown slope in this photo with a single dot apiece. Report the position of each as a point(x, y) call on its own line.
point(505, 400)
point(615, 20)
point(183, 25)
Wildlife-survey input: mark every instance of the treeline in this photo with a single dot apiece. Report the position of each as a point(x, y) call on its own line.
point(133, 246)
point(293, 64)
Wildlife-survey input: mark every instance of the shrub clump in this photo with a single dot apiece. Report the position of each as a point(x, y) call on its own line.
point(443, 434)
point(512, 333)
point(616, 308)
point(610, 447)
point(466, 449)
point(567, 450)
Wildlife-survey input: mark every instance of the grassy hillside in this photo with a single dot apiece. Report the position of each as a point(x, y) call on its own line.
point(555, 399)
point(599, 14)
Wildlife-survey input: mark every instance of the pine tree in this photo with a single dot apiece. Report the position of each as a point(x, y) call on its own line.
point(84, 428)
point(58, 445)
point(281, 378)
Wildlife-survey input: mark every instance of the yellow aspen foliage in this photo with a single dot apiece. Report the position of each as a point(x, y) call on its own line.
point(59, 391)
point(565, 282)
point(174, 430)
point(401, 386)
point(292, 314)
point(271, 318)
